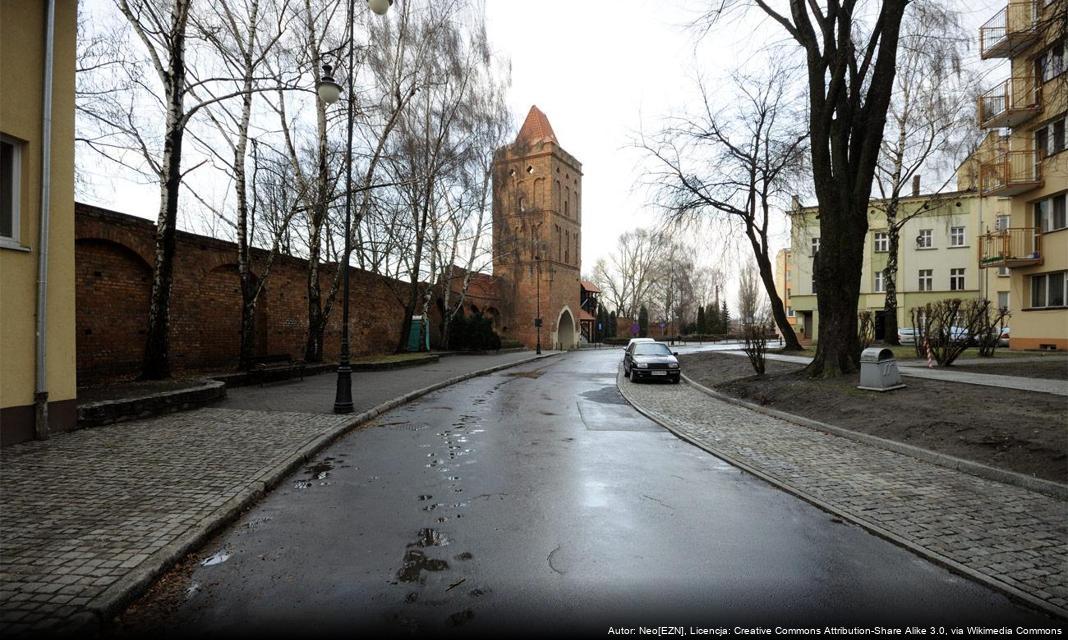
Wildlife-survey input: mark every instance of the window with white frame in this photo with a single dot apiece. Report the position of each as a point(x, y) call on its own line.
point(815, 247)
point(790, 313)
point(10, 177)
point(956, 236)
point(1003, 272)
point(1051, 213)
point(1001, 223)
point(1051, 63)
point(1003, 300)
point(880, 282)
point(1049, 290)
point(956, 279)
point(882, 242)
point(925, 240)
point(926, 282)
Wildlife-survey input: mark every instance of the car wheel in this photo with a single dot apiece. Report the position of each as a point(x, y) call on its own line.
point(675, 380)
point(633, 376)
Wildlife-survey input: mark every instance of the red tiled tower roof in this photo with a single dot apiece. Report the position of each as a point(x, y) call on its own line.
point(536, 128)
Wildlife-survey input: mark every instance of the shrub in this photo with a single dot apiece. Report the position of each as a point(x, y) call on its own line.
point(756, 345)
point(946, 328)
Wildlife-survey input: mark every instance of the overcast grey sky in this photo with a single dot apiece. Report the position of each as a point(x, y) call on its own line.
point(600, 69)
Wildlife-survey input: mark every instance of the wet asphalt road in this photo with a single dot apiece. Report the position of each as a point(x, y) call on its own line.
point(536, 499)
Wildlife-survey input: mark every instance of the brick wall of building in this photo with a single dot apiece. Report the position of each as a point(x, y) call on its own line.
point(113, 257)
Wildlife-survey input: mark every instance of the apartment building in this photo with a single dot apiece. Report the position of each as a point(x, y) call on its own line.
point(937, 256)
point(783, 265)
point(37, 370)
point(1023, 159)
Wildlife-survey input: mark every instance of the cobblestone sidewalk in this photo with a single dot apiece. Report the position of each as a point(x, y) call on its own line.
point(1016, 538)
point(84, 510)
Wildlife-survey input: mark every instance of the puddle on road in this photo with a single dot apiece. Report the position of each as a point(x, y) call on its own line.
point(533, 375)
point(415, 563)
point(607, 394)
point(321, 469)
point(428, 537)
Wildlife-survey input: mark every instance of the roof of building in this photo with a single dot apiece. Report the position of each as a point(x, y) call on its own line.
point(536, 128)
point(589, 286)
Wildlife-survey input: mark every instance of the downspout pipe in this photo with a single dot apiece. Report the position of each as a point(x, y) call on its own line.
point(40, 395)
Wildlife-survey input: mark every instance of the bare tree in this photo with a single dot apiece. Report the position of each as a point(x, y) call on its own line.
point(931, 117)
point(627, 277)
point(735, 163)
point(751, 301)
point(851, 59)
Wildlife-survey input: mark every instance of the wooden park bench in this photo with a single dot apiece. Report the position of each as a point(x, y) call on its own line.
point(276, 367)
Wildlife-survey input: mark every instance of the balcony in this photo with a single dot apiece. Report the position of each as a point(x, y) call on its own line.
point(1010, 104)
point(1012, 247)
point(1010, 173)
point(1010, 31)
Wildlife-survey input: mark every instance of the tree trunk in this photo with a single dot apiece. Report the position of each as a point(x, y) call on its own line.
point(893, 235)
point(778, 310)
point(156, 364)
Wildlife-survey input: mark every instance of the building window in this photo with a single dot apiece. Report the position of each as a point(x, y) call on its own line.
point(815, 248)
point(1048, 290)
point(925, 240)
point(1003, 301)
point(926, 280)
point(882, 242)
point(1050, 139)
point(1050, 63)
point(813, 282)
point(1003, 272)
point(567, 247)
point(1001, 223)
point(1051, 213)
point(880, 282)
point(790, 313)
point(956, 279)
point(10, 178)
point(956, 236)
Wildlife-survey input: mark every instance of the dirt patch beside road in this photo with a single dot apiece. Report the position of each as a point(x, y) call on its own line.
point(1020, 431)
point(1053, 369)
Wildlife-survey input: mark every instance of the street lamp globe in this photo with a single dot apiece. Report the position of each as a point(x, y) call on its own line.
point(380, 7)
point(329, 90)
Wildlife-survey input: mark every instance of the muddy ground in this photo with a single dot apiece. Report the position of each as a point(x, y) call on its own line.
point(1021, 431)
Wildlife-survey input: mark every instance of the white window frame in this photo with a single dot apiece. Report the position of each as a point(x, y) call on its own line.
point(926, 237)
point(1004, 307)
point(1002, 222)
point(1044, 279)
point(926, 280)
point(956, 279)
point(815, 246)
point(957, 237)
point(14, 240)
point(880, 282)
point(881, 242)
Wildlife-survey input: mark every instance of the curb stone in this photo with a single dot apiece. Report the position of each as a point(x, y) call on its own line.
point(939, 559)
point(104, 606)
point(1047, 487)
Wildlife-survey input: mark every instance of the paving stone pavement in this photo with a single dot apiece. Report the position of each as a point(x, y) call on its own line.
point(1014, 536)
point(82, 510)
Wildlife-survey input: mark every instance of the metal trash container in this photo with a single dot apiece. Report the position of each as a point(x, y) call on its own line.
point(878, 370)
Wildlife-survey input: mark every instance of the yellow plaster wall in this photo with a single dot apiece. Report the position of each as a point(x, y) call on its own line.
point(22, 41)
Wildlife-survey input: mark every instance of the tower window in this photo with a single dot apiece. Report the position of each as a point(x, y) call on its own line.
point(530, 168)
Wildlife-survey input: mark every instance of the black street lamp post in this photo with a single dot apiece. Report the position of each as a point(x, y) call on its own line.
point(329, 92)
point(537, 321)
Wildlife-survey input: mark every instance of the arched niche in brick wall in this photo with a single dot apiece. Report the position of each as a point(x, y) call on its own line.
point(216, 321)
point(113, 285)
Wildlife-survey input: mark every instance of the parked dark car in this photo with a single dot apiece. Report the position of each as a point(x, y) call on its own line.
point(645, 360)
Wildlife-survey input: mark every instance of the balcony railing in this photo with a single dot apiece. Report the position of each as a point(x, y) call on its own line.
point(1010, 104)
point(1012, 247)
point(1010, 173)
point(1010, 31)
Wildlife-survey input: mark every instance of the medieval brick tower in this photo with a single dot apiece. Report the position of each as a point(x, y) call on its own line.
point(537, 222)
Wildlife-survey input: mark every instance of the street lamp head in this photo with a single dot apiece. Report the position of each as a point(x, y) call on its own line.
point(380, 7)
point(329, 90)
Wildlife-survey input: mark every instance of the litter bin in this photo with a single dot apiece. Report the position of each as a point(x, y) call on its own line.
point(878, 370)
